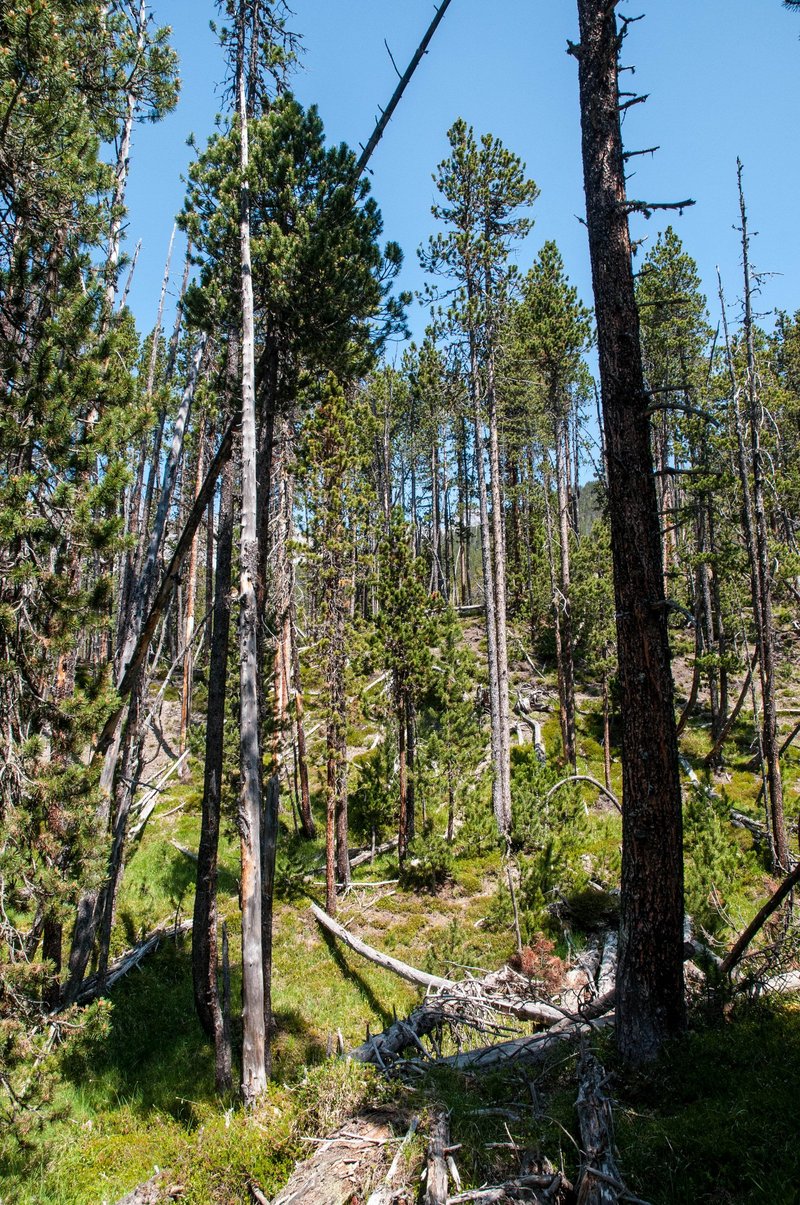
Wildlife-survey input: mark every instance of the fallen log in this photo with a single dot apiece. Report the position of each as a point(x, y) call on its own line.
point(384, 1048)
point(345, 1166)
point(436, 1182)
point(528, 1050)
point(546, 1188)
point(599, 1181)
point(98, 986)
point(525, 1010)
point(762, 916)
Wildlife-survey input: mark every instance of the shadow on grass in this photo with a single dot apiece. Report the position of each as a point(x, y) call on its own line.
point(155, 1055)
point(354, 977)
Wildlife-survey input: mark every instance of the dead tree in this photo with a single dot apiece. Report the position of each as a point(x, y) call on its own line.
point(650, 982)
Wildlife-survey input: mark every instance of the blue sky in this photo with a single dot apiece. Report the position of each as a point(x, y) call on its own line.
point(723, 78)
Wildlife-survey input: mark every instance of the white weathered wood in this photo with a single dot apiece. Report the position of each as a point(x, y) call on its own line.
point(600, 1182)
point(436, 1182)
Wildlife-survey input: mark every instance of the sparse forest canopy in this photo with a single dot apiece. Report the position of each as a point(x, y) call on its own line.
point(339, 666)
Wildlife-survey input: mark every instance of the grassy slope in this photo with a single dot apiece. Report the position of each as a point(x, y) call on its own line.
point(144, 1096)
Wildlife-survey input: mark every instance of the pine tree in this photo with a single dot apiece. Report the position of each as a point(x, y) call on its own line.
point(483, 189)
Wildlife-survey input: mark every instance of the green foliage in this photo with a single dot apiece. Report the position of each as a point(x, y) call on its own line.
point(372, 805)
point(717, 869)
point(429, 863)
point(307, 220)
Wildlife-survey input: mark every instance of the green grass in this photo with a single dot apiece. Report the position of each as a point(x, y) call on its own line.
point(713, 1117)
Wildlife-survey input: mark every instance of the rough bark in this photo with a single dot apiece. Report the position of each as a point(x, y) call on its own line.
point(204, 932)
point(650, 982)
point(254, 1077)
point(269, 845)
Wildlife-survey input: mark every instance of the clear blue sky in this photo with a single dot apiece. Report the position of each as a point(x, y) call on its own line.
point(723, 78)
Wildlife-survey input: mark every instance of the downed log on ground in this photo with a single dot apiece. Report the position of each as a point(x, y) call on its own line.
point(525, 1050)
point(97, 986)
point(480, 990)
point(345, 1166)
point(543, 1188)
point(599, 1182)
point(436, 1181)
point(384, 1048)
point(761, 917)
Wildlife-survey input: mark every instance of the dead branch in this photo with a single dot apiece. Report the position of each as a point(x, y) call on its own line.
point(95, 987)
point(599, 1182)
point(585, 778)
point(397, 95)
point(740, 945)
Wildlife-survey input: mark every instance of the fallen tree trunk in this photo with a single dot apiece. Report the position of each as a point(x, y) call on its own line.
point(436, 1182)
point(740, 945)
point(95, 986)
point(345, 1166)
point(546, 1188)
point(599, 1182)
point(529, 1050)
point(525, 1010)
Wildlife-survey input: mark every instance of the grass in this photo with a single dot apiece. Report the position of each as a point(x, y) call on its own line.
point(714, 1116)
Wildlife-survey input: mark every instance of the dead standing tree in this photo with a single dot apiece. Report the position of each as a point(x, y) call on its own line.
point(650, 981)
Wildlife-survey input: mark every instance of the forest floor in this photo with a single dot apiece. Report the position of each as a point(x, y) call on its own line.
point(713, 1121)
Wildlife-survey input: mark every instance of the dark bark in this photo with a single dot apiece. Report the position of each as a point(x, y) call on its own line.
point(650, 980)
point(204, 930)
point(269, 845)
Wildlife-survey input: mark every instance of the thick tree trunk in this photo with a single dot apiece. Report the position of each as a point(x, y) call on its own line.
point(650, 990)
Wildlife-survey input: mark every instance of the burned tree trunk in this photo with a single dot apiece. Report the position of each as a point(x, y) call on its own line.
point(650, 983)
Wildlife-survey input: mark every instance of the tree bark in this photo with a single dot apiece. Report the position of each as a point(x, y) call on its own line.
point(650, 982)
point(254, 1074)
point(204, 930)
point(765, 631)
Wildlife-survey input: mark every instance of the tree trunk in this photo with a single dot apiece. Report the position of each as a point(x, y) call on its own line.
point(567, 675)
point(765, 633)
point(254, 1074)
point(650, 989)
point(498, 782)
point(269, 845)
point(188, 625)
point(204, 929)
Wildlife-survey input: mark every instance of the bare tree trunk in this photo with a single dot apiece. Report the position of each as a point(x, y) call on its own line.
point(269, 845)
point(564, 614)
point(204, 928)
point(650, 992)
point(254, 1052)
point(188, 626)
point(121, 176)
point(765, 634)
point(499, 552)
point(498, 782)
point(306, 818)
